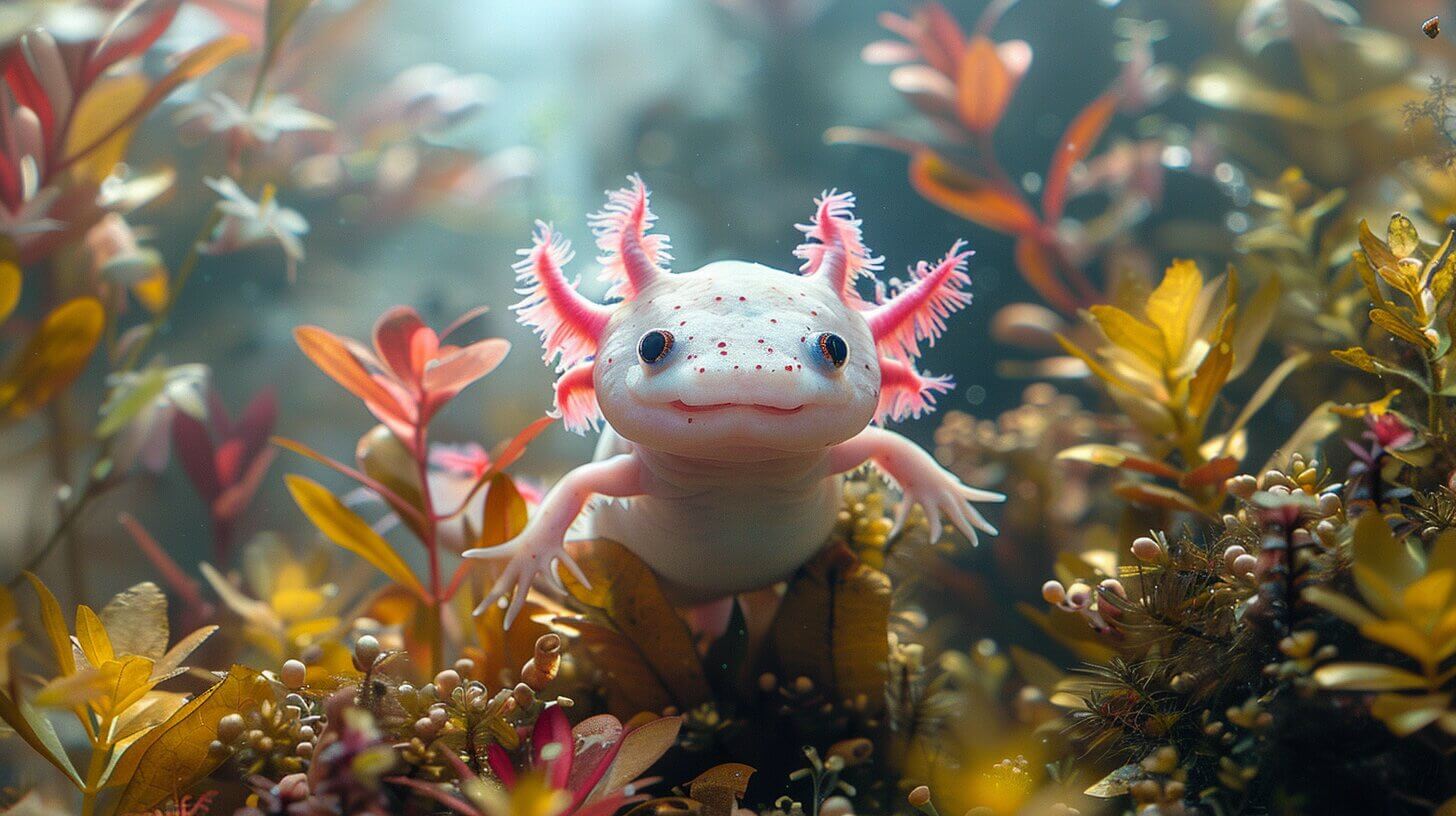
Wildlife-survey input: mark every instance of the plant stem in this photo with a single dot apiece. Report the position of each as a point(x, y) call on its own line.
point(430, 538)
point(100, 754)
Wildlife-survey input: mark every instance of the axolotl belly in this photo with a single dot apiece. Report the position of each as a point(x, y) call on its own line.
point(713, 529)
point(736, 396)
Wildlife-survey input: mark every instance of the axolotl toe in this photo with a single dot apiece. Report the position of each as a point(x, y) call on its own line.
point(735, 398)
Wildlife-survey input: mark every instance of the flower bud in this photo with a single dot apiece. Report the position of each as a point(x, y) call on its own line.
point(294, 674)
point(1147, 548)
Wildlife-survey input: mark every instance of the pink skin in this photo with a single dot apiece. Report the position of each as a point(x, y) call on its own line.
point(726, 455)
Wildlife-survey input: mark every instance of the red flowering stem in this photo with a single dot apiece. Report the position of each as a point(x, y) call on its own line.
point(461, 573)
point(428, 531)
point(175, 577)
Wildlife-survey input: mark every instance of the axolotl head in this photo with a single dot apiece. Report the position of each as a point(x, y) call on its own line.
point(736, 360)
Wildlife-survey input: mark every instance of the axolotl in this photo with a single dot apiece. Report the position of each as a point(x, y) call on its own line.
point(735, 397)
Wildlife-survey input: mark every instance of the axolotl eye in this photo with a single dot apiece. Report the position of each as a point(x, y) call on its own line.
point(834, 349)
point(654, 346)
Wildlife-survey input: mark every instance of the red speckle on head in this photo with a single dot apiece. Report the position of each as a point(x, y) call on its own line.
point(702, 370)
point(759, 367)
point(770, 349)
point(724, 353)
point(773, 320)
point(788, 368)
point(682, 322)
point(718, 297)
point(814, 313)
point(742, 299)
point(722, 344)
point(675, 308)
point(690, 420)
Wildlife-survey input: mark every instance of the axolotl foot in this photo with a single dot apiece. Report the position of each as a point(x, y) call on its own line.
point(530, 556)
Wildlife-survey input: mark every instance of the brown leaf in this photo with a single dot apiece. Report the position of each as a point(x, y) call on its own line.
point(831, 627)
point(720, 787)
point(625, 597)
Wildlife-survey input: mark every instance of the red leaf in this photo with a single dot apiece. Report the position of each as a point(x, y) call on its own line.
point(257, 421)
point(971, 197)
point(552, 728)
point(132, 32)
point(1037, 268)
point(29, 93)
point(193, 444)
point(394, 340)
point(1081, 136)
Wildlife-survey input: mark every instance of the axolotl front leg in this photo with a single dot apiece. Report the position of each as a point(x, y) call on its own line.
point(921, 478)
point(543, 541)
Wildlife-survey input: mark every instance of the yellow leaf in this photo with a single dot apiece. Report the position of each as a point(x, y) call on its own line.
point(1405, 714)
point(136, 621)
point(54, 622)
point(1400, 636)
point(1377, 550)
point(1377, 254)
point(344, 527)
point(1401, 236)
point(1389, 321)
point(1212, 373)
point(53, 357)
point(1095, 366)
point(1133, 335)
point(101, 121)
point(1368, 677)
point(1171, 305)
point(504, 516)
point(9, 288)
point(1115, 457)
point(92, 638)
point(175, 754)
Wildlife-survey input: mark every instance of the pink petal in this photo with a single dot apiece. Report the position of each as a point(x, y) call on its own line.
point(552, 728)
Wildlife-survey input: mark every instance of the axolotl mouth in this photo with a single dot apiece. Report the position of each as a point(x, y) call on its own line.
point(723, 406)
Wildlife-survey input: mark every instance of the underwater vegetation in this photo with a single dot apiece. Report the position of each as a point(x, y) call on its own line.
point(1217, 270)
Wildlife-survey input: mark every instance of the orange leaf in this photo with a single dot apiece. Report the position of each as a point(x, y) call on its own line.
point(983, 85)
point(53, 357)
point(332, 356)
point(1214, 472)
point(1081, 136)
point(971, 197)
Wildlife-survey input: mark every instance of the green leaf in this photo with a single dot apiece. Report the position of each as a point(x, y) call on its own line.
point(38, 733)
point(344, 527)
point(128, 400)
point(283, 15)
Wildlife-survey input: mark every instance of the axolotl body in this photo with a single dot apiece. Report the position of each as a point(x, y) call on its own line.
point(735, 396)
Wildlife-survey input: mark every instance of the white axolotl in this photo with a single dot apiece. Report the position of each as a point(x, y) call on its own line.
point(736, 397)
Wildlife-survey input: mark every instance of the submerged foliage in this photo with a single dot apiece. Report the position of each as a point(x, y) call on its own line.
point(1226, 579)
